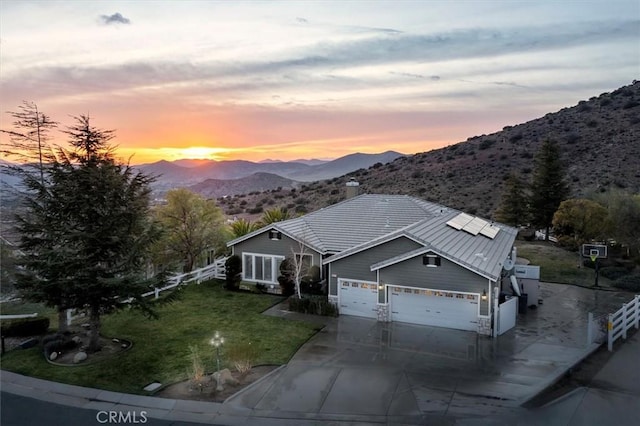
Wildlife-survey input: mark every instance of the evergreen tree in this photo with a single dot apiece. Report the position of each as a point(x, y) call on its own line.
point(86, 232)
point(29, 139)
point(549, 188)
point(514, 207)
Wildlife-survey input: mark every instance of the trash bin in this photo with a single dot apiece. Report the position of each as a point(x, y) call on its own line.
point(522, 303)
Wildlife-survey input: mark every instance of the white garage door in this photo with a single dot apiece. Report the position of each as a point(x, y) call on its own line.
point(358, 298)
point(437, 308)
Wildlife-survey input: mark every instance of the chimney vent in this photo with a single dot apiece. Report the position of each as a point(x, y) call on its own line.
point(353, 188)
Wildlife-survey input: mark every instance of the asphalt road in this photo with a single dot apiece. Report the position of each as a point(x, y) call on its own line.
point(23, 411)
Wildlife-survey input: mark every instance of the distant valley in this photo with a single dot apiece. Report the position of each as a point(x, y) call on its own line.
point(223, 178)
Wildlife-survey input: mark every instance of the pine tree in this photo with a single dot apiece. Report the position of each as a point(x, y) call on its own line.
point(549, 188)
point(29, 139)
point(514, 208)
point(87, 232)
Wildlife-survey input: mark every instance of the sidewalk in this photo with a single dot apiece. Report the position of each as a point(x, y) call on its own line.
point(612, 398)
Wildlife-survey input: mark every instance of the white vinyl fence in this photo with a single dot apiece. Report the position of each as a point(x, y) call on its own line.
point(621, 321)
point(214, 271)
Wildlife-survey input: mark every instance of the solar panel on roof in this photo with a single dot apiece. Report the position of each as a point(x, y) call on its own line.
point(475, 226)
point(490, 231)
point(460, 221)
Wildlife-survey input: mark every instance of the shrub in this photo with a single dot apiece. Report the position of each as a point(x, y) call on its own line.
point(486, 144)
point(261, 287)
point(568, 242)
point(57, 343)
point(614, 272)
point(233, 272)
point(25, 327)
point(315, 305)
point(196, 371)
point(242, 355)
point(628, 282)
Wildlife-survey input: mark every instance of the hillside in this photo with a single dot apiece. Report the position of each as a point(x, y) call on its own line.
point(257, 182)
point(599, 139)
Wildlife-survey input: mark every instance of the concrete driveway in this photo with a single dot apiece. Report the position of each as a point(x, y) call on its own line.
point(361, 370)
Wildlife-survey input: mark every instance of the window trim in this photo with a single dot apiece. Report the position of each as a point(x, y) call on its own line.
point(274, 267)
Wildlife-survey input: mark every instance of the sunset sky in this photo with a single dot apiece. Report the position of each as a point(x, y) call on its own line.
point(287, 80)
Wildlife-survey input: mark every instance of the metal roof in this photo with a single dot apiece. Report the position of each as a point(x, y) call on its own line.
point(368, 220)
point(352, 222)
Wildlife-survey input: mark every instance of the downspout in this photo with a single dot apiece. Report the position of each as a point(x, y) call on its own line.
point(496, 310)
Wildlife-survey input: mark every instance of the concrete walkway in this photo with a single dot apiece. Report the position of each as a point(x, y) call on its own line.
point(359, 371)
point(612, 397)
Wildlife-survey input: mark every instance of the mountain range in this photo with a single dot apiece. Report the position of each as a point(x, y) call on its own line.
point(210, 177)
point(599, 141)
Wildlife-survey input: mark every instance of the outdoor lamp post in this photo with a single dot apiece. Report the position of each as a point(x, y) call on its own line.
point(217, 341)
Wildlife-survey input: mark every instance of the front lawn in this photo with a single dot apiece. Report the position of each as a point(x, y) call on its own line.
point(558, 265)
point(160, 349)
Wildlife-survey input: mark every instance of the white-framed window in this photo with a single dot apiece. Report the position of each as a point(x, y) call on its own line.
point(261, 267)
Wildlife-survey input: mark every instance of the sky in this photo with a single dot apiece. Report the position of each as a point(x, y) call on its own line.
point(288, 80)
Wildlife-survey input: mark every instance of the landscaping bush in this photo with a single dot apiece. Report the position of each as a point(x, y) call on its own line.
point(310, 283)
point(287, 285)
point(243, 355)
point(233, 272)
point(286, 281)
point(57, 343)
point(614, 272)
point(628, 282)
point(315, 305)
point(25, 327)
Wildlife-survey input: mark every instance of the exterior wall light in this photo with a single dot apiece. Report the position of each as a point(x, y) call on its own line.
point(484, 295)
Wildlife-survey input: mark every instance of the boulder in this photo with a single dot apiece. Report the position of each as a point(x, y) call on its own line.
point(77, 339)
point(79, 357)
point(222, 378)
point(53, 356)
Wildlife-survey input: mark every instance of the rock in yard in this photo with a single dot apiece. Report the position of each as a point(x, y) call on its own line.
point(115, 340)
point(77, 339)
point(222, 378)
point(79, 357)
point(53, 356)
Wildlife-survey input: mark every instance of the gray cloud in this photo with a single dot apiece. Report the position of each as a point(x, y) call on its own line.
point(116, 18)
point(315, 65)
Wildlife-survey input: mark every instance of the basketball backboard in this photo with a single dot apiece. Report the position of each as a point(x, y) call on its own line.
point(595, 251)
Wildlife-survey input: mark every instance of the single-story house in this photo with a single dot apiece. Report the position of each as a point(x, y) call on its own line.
point(391, 258)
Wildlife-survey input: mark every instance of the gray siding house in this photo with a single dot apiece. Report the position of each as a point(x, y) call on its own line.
point(391, 258)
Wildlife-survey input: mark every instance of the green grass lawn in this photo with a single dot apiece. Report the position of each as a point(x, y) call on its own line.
point(558, 265)
point(160, 349)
